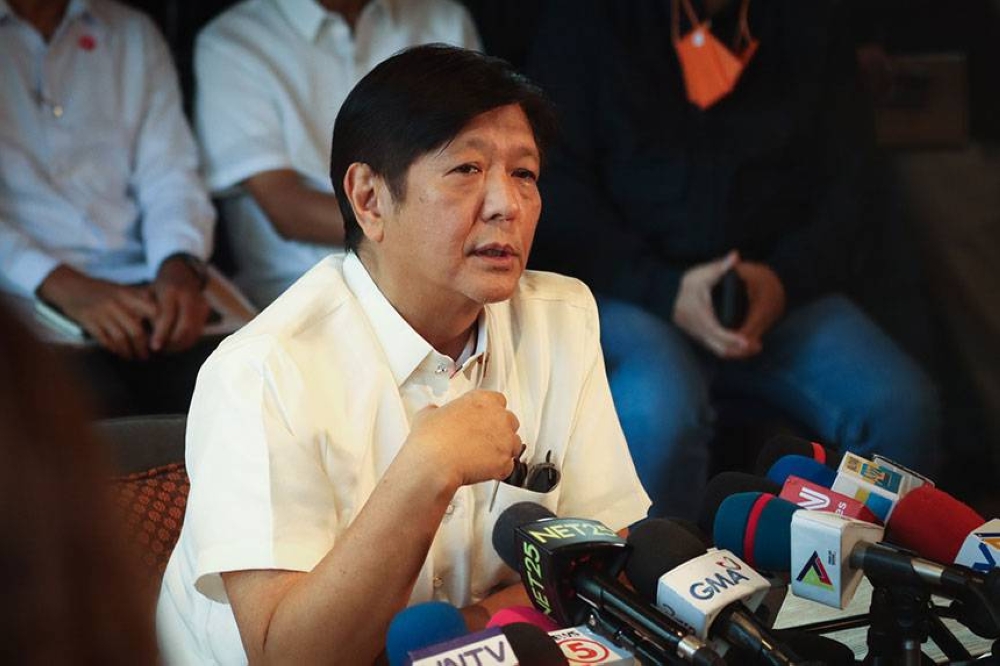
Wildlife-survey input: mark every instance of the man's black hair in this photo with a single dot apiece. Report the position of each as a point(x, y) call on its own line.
point(419, 100)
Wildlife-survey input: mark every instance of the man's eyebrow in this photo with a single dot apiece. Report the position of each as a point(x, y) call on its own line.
point(523, 150)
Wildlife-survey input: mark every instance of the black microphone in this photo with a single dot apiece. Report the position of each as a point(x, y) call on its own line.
point(569, 567)
point(783, 445)
point(703, 590)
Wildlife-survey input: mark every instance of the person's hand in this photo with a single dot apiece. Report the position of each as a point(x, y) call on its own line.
point(182, 311)
point(766, 296)
point(114, 315)
point(694, 314)
point(473, 437)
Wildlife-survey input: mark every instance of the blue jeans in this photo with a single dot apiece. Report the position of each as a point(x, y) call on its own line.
point(825, 364)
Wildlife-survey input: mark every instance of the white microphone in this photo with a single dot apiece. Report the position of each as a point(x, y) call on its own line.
point(821, 545)
point(489, 647)
point(879, 488)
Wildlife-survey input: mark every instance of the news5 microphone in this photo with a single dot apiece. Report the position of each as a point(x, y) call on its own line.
point(569, 568)
point(714, 592)
point(783, 445)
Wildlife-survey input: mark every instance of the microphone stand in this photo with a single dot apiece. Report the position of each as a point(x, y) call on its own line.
point(900, 624)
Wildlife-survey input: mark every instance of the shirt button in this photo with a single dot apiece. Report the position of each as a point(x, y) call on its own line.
point(441, 369)
point(57, 111)
point(451, 509)
point(438, 582)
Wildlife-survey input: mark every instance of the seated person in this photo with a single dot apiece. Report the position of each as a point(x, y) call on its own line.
point(344, 446)
point(651, 200)
point(103, 214)
point(271, 75)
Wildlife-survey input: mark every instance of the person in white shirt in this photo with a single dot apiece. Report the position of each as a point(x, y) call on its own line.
point(102, 211)
point(344, 446)
point(271, 75)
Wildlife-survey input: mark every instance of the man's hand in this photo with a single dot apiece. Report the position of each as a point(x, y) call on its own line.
point(473, 437)
point(766, 296)
point(693, 311)
point(115, 315)
point(182, 310)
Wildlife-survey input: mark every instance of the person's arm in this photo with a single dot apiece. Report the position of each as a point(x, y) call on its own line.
point(115, 315)
point(339, 612)
point(176, 215)
point(296, 210)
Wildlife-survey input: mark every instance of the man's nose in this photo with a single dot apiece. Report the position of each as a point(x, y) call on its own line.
point(501, 201)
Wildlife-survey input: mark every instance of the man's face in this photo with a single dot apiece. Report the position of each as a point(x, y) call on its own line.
point(462, 234)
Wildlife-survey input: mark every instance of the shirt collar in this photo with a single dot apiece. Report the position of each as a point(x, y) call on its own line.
point(307, 16)
point(404, 348)
point(74, 9)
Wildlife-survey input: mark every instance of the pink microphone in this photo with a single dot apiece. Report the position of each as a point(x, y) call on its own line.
point(506, 616)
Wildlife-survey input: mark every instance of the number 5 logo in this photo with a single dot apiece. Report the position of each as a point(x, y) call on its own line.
point(584, 651)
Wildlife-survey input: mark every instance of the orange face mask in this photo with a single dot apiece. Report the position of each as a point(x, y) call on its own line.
point(710, 69)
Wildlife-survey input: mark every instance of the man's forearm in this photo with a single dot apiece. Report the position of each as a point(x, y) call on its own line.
point(297, 211)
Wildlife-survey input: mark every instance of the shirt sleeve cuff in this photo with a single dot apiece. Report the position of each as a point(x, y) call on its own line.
point(231, 170)
point(212, 562)
point(29, 270)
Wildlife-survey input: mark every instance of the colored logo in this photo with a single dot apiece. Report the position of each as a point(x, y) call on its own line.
point(583, 651)
point(990, 538)
point(706, 589)
point(814, 573)
point(813, 500)
point(989, 562)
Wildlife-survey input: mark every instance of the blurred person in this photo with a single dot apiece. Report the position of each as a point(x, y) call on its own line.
point(657, 191)
point(271, 75)
point(346, 447)
point(72, 594)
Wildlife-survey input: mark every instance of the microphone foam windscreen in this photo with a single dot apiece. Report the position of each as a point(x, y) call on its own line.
point(802, 467)
point(658, 546)
point(506, 616)
point(420, 626)
point(757, 528)
point(780, 446)
point(532, 646)
point(513, 517)
point(725, 484)
point(932, 523)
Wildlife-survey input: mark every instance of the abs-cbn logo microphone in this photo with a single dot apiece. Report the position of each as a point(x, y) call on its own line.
point(730, 576)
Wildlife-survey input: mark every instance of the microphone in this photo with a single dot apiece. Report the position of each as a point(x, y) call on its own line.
point(723, 485)
point(506, 616)
point(827, 553)
point(518, 644)
point(783, 445)
point(934, 524)
point(846, 492)
point(421, 625)
point(712, 592)
point(569, 568)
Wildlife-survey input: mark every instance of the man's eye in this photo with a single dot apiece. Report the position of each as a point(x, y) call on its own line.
point(466, 168)
point(526, 174)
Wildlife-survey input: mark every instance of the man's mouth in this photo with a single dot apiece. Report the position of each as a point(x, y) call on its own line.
point(495, 251)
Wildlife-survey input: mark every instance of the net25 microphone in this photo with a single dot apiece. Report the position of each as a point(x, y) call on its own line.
point(569, 567)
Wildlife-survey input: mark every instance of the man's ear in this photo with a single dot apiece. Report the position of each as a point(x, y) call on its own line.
point(365, 189)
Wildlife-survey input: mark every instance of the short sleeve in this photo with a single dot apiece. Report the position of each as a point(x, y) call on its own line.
point(260, 494)
point(237, 118)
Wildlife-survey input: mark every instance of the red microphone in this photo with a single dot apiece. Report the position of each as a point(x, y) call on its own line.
point(514, 614)
point(932, 523)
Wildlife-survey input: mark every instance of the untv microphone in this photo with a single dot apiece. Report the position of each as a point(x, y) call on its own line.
point(886, 567)
point(569, 568)
point(712, 592)
point(783, 445)
point(518, 644)
point(422, 625)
